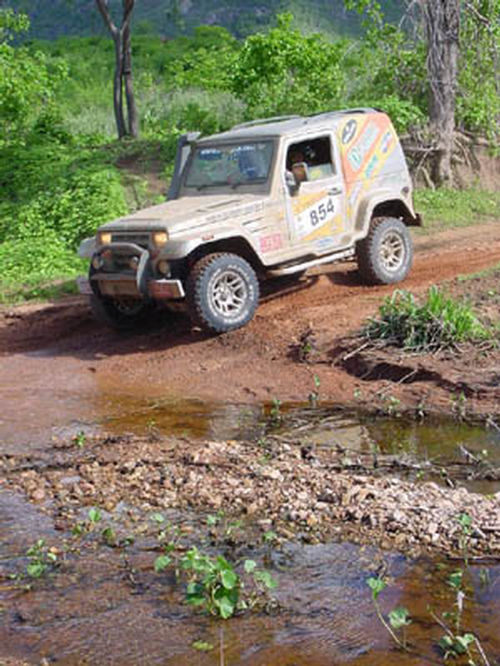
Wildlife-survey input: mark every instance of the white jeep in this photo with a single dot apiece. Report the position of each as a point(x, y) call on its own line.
point(267, 198)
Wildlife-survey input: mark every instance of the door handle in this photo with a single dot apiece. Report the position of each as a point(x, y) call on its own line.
point(335, 190)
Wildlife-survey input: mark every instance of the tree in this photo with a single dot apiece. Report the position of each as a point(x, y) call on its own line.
point(26, 82)
point(441, 20)
point(123, 80)
point(462, 42)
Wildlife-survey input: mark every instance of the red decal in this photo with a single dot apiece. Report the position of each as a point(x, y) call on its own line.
point(270, 243)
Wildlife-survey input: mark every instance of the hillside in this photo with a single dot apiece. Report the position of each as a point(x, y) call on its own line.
point(53, 18)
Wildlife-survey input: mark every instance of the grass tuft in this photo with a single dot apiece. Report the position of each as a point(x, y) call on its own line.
point(440, 322)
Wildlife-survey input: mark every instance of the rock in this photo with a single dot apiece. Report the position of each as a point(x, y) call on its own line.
point(38, 495)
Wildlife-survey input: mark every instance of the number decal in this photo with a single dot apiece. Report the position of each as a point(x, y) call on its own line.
point(315, 216)
point(320, 212)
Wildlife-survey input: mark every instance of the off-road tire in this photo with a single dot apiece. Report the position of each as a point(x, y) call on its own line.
point(222, 292)
point(121, 315)
point(385, 256)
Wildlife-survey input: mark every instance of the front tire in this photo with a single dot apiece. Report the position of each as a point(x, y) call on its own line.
point(385, 256)
point(121, 314)
point(222, 292)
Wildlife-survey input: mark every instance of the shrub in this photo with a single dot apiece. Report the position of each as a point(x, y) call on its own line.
point(437, 323)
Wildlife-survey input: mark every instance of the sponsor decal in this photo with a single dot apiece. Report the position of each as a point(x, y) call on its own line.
point(371, 166)
point(324, 243)
point(387, 139)
point(271, 243)
point(359, 151)
point(349, 131)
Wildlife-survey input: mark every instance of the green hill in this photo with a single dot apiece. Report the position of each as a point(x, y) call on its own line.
point(54, 18)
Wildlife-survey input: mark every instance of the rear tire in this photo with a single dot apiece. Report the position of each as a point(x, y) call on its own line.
point(222, 292)
point(124, 314)
point(385, 256)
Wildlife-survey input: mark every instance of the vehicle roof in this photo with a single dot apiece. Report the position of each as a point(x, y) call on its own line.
point(285, 125)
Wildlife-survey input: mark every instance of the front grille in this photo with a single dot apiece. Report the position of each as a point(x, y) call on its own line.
point(141, 239)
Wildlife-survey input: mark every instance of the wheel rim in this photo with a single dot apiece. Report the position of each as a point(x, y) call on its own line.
point(392, 251)
point(229, 294)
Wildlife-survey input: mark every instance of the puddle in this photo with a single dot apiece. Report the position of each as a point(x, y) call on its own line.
point(92, 612)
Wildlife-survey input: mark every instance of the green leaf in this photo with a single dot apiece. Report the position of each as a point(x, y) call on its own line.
point(94, 515)
point(35, 569)
point(225, 606)
point(250, 566)
point(455, 579)
point(202, 646)
point(229, 579)
point(266, 578)
point(399, 617)
point(270, 536)
point(376, 585)
point(158, 518)
point(464, 642)
point(465, 520)
point(162, 563)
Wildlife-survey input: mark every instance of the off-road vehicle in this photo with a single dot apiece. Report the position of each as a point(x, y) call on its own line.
point(267, 198)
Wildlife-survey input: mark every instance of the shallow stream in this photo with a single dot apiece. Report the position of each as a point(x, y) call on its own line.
point(109, 607)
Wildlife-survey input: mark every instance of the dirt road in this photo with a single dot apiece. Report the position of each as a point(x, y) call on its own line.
point(57, 364)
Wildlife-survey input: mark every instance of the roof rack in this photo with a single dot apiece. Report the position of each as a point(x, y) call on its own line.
point(265, 121)
point(342, 112)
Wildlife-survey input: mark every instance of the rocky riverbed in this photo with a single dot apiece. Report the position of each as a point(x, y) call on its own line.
point(273, 484)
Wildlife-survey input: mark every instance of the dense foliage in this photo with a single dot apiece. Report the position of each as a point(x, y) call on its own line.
point(58, 157)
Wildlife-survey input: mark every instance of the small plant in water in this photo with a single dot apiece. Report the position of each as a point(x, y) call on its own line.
point(214, 585)
point(275, 414)
point(399, 618)
point(80, 438)
point(41, 558)
point(314, 395)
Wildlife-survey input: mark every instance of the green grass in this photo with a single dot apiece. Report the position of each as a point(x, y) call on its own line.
point(14, 294)
point(439, 322)
point(446, 208)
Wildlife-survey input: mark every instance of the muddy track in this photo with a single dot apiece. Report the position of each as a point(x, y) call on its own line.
point(59, 346)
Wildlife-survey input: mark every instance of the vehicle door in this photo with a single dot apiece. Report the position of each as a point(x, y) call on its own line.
point(314, 194)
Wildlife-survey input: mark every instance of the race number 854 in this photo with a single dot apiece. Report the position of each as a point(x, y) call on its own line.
point(321, 211)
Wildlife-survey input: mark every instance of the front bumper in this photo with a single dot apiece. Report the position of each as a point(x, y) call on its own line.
point(135, 284)
point(116, 285)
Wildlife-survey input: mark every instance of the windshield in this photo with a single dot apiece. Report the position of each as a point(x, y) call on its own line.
point(230, 164)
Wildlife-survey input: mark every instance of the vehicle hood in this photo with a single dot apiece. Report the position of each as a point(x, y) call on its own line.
point(185, 214)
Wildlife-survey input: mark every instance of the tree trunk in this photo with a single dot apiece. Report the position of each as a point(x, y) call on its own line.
point(442, 27)
point(133, 121)
point(121, 127)
point(123, 68)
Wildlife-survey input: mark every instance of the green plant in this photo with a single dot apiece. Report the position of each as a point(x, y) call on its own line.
point(213, 583)
point(399, 618)
point(80, 438)
point(275, 415)
point(41, 558)
point(314, 394)
point(437, 323)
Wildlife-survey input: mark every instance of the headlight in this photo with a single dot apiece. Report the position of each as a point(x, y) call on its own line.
point(160, 238)
point(104, 238)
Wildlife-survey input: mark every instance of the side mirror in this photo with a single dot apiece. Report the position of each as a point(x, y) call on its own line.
point(291, 182)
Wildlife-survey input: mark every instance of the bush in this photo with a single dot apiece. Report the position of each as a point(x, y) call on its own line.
point(169, 115)
point(439, 322)
point(65, 190)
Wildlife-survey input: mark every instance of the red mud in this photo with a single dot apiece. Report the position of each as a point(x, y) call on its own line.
point(51, 350)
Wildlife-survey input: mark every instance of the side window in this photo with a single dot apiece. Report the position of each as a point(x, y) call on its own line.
point(311, 159)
